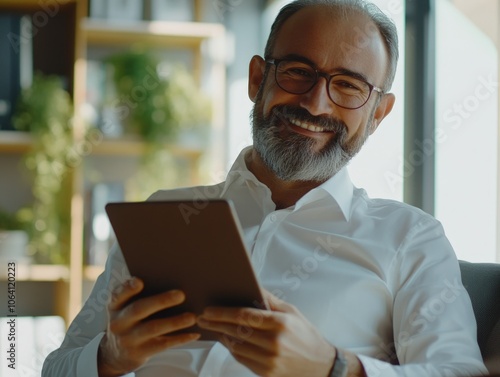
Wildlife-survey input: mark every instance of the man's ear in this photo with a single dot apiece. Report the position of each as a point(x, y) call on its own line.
point(383, 109)
point(256, 75)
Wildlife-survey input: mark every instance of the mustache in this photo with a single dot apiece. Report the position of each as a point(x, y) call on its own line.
point(284, 112)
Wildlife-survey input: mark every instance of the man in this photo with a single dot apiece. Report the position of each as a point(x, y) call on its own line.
point(356, 286)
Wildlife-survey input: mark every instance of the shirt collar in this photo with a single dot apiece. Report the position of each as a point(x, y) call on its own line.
point(339, 187)
point(239, 170)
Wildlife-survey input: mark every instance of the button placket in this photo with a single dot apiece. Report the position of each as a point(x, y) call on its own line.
point(264, 235)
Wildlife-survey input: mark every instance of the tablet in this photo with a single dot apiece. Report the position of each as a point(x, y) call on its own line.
point(192, 246)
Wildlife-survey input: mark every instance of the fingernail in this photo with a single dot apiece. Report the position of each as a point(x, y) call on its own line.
point(132, 282)
point(208, 312)
point(201, 321)
point(194, 336)
point(177, 294)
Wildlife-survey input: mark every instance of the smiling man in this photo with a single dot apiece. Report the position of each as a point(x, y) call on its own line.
point(315, 104)
point(356, 286)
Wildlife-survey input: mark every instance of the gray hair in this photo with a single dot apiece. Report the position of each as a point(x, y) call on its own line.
point(385, 25)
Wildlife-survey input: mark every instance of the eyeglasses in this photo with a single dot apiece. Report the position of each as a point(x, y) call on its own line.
point(297, 77)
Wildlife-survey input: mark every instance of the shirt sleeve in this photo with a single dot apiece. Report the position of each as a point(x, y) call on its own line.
point(77, 355)
point(434, 327)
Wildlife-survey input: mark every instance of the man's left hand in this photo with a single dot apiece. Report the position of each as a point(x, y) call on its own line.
point(276, 342)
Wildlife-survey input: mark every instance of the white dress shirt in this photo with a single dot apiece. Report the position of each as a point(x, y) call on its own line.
point(376, 277)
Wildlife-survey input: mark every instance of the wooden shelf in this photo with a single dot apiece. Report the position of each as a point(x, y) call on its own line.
point(91, 273)
point(39, 272)
point(28, 5)
point(130, 146)
point(17, 142)
point(157, 33)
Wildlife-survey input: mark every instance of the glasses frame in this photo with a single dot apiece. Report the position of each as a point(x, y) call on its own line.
point(328, 78)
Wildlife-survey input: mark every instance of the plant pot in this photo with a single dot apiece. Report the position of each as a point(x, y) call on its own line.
point(13, 245)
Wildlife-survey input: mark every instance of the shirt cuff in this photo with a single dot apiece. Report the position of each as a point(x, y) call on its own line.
point(87, 362)
point(376, 368)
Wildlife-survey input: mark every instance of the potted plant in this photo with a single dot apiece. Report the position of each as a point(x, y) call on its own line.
point(45, 110)
point(13, 238)
point(156, 102)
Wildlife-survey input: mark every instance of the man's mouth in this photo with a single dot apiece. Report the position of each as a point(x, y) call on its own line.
point(306, 126)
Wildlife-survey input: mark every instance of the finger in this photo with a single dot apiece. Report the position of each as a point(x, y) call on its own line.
point(254, 318)
point(141, 309)
point(164, 326)
point(140, 353)
point(253, 357)
point(277, 304)
point(244, 351)
point(124, 292)
point(240, 334)
point(257, 366)
point(162, 343)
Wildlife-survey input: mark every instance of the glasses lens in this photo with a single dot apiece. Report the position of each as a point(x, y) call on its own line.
point(295, 77)
point(298, 78)
point(349, 92)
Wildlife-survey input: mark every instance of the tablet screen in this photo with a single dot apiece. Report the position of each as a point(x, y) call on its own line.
point(197, 249)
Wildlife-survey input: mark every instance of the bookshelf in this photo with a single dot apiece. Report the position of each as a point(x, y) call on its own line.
point(14, 142)
point(204, 41)
point(41, 272)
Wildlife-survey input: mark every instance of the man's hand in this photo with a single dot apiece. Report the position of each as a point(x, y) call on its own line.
point(130, 339)
point(280, 342)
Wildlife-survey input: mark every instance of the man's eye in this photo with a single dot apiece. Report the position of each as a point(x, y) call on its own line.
point(299, 72)
point(346, 85)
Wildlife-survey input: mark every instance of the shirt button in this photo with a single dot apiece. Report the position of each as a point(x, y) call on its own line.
point(272, 218)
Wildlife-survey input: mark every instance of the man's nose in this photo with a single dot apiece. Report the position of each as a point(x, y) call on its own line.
point(317, 100)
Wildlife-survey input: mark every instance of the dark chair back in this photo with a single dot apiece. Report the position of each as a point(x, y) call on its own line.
point(482, 281)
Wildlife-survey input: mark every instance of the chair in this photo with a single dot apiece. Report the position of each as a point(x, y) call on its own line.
point(482, 282)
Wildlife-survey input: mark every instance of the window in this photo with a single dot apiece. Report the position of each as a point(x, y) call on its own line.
point(466, 164)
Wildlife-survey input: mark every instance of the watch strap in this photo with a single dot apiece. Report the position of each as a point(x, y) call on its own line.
point(339, 368)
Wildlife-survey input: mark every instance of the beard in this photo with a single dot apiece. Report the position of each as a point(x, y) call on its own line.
point(296, 158)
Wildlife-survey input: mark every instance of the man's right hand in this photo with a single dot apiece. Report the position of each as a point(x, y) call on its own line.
point(130, 339)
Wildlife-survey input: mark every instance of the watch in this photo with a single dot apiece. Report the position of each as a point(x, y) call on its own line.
point(339, 368)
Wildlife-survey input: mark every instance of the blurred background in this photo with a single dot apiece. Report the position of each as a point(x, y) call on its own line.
point(110, 100)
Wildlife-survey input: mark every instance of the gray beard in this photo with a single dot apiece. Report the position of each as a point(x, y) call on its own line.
point(294, 158)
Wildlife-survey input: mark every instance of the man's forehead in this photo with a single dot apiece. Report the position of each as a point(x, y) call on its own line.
point(322, 35)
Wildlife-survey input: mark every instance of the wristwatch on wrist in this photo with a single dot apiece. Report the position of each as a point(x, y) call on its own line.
point(339, 368)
